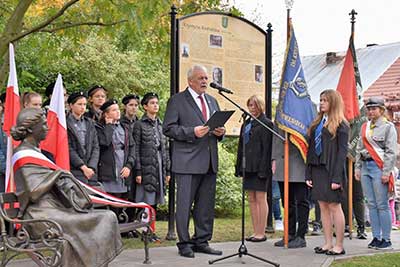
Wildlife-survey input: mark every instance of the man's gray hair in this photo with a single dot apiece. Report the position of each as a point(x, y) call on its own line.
point(193, 69)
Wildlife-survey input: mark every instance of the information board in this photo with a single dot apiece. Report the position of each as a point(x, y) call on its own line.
point(234, 53)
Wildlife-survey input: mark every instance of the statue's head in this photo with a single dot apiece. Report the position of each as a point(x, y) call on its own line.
point(30, 122)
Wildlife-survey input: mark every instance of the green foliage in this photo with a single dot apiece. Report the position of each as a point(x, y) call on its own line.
point(95, 61)
point(228, 195)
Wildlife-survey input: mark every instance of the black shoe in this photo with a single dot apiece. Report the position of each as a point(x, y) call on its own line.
point(384, 245)
point(255, 239)
point(249, 238)
point(281, 243)
point(374, 243)
point(361, 233)
point(320, 250)
point(207, 250)
point(334, 253)
point(298, 242)
point(186, 252)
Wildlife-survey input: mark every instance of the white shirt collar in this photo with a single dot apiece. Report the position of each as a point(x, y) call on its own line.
point(194, 94)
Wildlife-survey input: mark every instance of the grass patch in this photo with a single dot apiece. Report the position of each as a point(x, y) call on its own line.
point(381, 260)
point(225, 230)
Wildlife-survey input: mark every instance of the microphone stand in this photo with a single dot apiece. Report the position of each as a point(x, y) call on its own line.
point(242, 248)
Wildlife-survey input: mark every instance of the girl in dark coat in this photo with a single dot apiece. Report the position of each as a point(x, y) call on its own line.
point(152, 155)
point(116, 150)
point(97, 97)
point(325, 172)
point(258, 141)
point(82, 140)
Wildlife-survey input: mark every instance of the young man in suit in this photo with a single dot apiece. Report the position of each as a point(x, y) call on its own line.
point(194, 161)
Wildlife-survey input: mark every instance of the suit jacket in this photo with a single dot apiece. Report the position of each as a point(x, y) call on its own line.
point(258, 149)
point(190, 155)
point(334, 152)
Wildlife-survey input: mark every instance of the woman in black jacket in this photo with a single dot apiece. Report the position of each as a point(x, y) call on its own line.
point(258, 172)
point(325, 167)
point(116, 150)
point(82, 140)
point(152, 155)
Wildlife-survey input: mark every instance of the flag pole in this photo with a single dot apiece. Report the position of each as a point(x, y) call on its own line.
point(289, 4)
point(353, 14)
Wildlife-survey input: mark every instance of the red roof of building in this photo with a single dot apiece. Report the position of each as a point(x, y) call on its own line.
point(387, 85)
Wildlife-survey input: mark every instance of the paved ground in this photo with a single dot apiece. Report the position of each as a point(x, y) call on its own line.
point(168, 256)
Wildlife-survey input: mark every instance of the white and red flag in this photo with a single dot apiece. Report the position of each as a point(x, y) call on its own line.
point(11, 110)
point(56, 141)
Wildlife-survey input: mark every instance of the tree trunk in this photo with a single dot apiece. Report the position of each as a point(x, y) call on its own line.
point(12, 29)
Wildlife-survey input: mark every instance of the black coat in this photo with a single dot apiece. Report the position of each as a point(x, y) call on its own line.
point(91, 114)
point(146, 150)
point(258, 149)
point(77, 155)
point(334, 152)
point(106, 170)
point(128, 123)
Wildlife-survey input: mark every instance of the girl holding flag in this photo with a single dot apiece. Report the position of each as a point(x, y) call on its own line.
point(325, 170)
point(375, 162)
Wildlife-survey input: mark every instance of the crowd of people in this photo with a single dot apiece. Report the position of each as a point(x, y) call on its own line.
point(129, 157)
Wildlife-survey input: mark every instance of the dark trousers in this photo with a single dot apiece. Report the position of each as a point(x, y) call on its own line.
point(197, 190)
point(299, 208)
point(358, 203)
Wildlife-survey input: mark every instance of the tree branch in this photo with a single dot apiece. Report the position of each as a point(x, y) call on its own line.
point(77, 24)
point(47, 22)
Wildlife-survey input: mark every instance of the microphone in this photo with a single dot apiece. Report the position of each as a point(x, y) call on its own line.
point(220, 88)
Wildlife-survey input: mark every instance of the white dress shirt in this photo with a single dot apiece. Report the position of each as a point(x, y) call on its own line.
point(198, 101)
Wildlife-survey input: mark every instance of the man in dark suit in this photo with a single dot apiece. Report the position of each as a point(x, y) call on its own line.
point(194, 161)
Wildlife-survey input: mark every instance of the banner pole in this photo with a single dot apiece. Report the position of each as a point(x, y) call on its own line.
point(286, 153)
point(171, 188)
point(350, 196)
point(286, 191)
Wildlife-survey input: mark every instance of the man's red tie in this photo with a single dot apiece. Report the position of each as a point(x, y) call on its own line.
point(203, 107)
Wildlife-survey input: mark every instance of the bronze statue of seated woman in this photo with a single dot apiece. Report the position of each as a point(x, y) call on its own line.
point(92, 237)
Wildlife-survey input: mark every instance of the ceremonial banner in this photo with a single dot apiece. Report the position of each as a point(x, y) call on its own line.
point(295, 110)
point(349, 86)
point(11, 110)
point(56, 141)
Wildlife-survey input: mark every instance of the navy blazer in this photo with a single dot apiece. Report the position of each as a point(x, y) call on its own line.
point(334, 153)
point(258, 149)
point(190, 155)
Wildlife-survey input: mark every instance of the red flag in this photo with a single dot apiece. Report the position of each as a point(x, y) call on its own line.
point(11, 111)
point(56, 141)
point(348, 82)
point(12, 106)
point(350, 88)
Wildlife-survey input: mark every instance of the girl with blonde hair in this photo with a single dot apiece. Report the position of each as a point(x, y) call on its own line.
point(325, 170)
point(258, 171)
